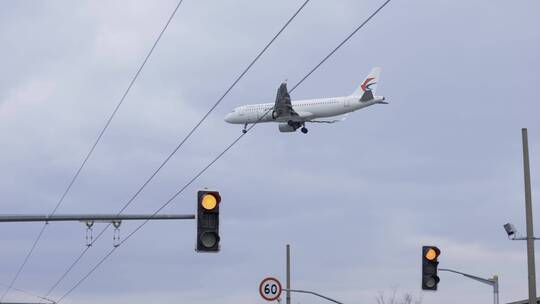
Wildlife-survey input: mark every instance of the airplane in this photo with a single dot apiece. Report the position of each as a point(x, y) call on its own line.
point(294, 115)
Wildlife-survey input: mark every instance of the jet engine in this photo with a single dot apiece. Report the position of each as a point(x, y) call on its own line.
point(285, 127)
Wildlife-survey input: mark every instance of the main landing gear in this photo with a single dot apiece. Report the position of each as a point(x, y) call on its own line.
point(295, 125)
point(245, 128)
point(304, 129)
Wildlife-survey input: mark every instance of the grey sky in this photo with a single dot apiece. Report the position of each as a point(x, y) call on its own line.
point(440, 165)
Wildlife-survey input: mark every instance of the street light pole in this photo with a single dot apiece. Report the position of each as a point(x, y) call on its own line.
point(494, 282)
point(529, 218)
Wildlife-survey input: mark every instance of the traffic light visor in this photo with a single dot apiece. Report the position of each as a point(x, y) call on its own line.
point(432, 254)
point(209, 202)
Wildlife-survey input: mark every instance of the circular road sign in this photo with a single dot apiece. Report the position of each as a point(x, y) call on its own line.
point(270, 289)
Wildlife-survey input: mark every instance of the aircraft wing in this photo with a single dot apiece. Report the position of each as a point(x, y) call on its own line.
point(283, 106)
point(302, 116)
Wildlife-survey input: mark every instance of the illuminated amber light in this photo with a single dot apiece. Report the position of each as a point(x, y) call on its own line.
point(431, 254)
point(209, 202)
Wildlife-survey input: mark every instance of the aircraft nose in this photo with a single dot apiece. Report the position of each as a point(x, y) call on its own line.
point(229, 118)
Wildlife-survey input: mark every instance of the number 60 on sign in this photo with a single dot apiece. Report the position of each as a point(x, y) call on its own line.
point(270, 289)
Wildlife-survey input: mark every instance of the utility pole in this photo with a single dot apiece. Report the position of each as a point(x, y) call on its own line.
point(288, 283)
point(529, 219)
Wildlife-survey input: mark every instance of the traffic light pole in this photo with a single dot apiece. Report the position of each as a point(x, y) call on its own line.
point(494, 282)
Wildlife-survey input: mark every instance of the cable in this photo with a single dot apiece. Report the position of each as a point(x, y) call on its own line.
point(147, 220)
point(92, 148)
point(73, 265)
point(211, 162)
point(24, 263)
point(28, 293)
point(341, 44)
point(204, 117)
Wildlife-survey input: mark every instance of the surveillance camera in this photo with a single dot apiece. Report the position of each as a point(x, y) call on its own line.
point(510, 229)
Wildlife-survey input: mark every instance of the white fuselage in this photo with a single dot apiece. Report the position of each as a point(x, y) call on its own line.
point(307, 110)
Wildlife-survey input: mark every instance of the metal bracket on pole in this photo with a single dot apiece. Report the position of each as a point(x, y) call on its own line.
point(89, 233)
point(522, 238)
point(116, 233)
point(313, 293)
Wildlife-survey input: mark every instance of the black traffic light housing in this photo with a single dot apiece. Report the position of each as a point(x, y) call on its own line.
point(208, 221)
point(430, 263)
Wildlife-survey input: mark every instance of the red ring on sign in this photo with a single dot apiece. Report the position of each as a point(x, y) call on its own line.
point(261, 289)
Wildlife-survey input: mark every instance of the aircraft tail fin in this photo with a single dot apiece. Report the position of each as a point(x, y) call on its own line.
point(366, 90)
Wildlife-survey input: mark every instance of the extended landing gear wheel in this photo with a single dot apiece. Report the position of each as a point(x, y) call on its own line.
point(244, 130)
point(304, 130)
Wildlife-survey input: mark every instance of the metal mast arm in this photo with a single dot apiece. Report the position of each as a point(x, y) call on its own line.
point(493, 282)
point(489, 282)
point(313, 293)
point(92, 217)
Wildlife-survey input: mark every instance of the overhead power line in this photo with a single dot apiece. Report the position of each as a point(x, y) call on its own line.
point(340, 45)
point(28, 293)
point(91, 151)
point(182, 142)
point(221, 154)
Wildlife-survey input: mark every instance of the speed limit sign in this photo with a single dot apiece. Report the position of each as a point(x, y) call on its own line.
point(270, 289)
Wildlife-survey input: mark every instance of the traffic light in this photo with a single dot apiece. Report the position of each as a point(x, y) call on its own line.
point(430, 255)
point(208, 221)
